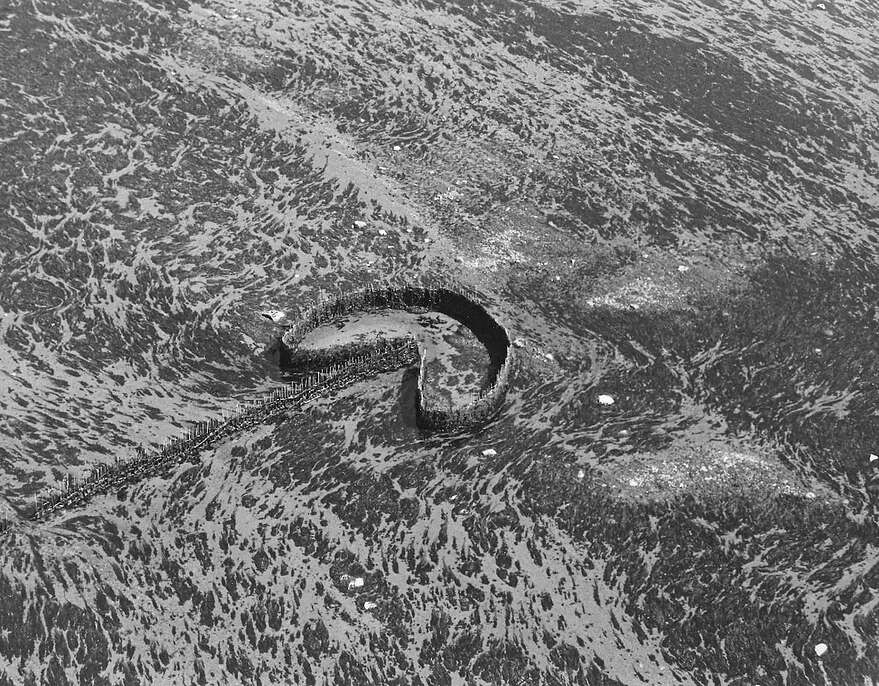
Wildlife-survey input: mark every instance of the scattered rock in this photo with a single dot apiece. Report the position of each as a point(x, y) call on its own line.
point(820, 649)
point(605, 399)
point(356, 582)
point(382, 232)
point(549, 357)
point(519, 342)
point(683, 268)
point(489, 452)
point(360, 224)
point(368, 605)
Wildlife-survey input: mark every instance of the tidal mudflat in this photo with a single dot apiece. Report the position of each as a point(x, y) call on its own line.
point(674, 209)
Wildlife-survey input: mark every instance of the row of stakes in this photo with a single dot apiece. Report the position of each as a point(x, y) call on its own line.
point(204, 430)
point(326, 306)
point(313, 315)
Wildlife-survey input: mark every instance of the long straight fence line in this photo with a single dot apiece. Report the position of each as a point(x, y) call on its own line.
point(341, 366)
point(143, 464)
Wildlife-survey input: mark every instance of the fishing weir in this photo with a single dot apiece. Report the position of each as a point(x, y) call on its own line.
point(331, 369)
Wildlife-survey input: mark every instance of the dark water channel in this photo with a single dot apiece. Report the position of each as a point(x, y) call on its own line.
point(674, 207)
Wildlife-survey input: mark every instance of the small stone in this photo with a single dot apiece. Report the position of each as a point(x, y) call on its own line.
point(633, 483)
point(683, 268)
point(581, 474)
point(356, 582)
point(489, 452)
point(811, 495)
point(360, 224)
point(396, 148)
point(519, 342)
point(549, 357)
point(382, 232)
point(873, 457)
point(820, 649)
point(605, 399)
point(368, 605)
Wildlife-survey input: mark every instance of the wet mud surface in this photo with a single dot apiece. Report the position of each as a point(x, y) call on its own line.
point(674, 207)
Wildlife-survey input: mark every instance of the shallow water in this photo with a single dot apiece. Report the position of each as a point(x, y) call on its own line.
point(677, 207)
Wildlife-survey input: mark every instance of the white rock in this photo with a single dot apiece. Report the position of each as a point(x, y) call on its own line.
point(873, 457)
point(360, 224)
point(549, 357)
point(519, 342)
point(382, 232)
point(369, 605)
point(820, 649)
point(397, 148)
point(683, 268)
point(489, 452)
point(274, 315)
point(581, 474)
point(356, 582)
point(605, 399)
point(810, 495)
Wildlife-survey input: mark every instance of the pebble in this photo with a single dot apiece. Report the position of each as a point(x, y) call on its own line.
point(396, 148)
point(489, 452)
point(549, 357)
point(581, 474)
point(604, 399)
point(873, 457)
point(683, 268)
point(519, 342)
point(820, 649)
point(360, 224)
point(369, 605)
point(356, 582)
point(382, 232)
point(810, 495)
